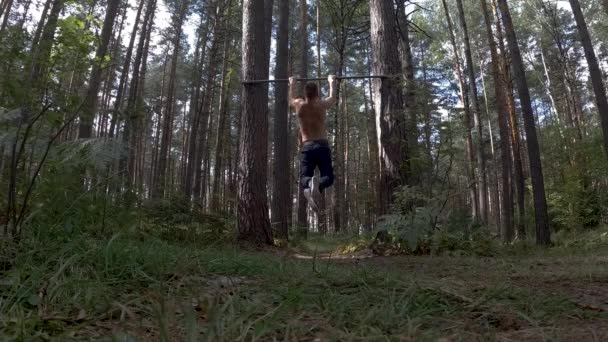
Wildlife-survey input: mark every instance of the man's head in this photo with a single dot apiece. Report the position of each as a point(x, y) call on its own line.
point(311, 90)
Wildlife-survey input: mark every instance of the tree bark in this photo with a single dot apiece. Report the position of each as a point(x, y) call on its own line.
point(40, 25)
point(302, 203)
point(478, 123)
point(127, 63)
point(225, 86)
point(543, 231)
point(167, 132)
point(42, 51)
point(506, 204)
point(7, 12)
point(389, 103)
point(90, 105)
point(594, 70)
point(281, 199)
point(252, 207)
point(464, 97)
point(518, 180)
point(410, 80)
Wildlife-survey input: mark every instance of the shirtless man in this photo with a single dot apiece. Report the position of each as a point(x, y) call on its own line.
point(313, 139)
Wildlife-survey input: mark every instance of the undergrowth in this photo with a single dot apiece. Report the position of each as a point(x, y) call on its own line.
point(137, 284)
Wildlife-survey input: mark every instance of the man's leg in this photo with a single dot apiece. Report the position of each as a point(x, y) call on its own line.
point(326, 169)
point(307, 171)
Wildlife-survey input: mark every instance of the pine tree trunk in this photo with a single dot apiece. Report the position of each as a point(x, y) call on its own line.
point(482, 185)
point(543, 231)
point(518, 179)
point(302, 203)
point(142, 137)
point(506, 204)
point(225, 85)
point(40, 25)
point(252, 207)
point(89, 107)
point(167, 132)
point(41, 52)
point(410, 82)
point(199, 120)
point(7, 13)
point(127, 62)
point(389, 103)
point(594, 70)
point(464, 97)
point(281, 198)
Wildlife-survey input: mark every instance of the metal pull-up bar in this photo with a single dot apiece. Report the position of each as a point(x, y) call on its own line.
point(320, 79)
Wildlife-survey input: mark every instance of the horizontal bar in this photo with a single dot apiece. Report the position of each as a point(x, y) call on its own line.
point(320, 79)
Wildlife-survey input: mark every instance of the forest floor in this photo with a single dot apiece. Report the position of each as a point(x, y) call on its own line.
point(128, 288)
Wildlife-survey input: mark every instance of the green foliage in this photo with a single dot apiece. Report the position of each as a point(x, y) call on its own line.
point(174, 219)
point(80, 287)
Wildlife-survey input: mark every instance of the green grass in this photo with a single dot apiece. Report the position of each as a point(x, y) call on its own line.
point(131, 287)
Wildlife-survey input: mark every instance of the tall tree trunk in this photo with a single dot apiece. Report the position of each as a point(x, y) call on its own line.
point(144, 120)
point(7, 13)
point(281, 199)
point(167, 133)
point(225, 86)
point(506, 204)
point(40, 25)
point(127, 62)
point(302, 203)
point(464, 97)
point(410, 81)
point(389, 103)
point(134, 118)
point(198, 129)
point(90, 105)
point(478, 123)
point(543, 231)
point(594, 70)
point(252, 207)
point(518, 181)
point(41, 52)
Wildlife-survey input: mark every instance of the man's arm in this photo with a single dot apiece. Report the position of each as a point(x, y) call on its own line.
point(331, 100)
point(293, 101)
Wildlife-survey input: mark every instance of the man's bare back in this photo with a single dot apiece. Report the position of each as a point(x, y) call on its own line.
point(311, 112)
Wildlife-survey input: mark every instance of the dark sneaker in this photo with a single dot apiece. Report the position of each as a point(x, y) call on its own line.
point(315, 192)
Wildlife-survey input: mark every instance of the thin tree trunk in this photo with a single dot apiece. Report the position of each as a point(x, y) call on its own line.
point(467, 117)
point(543, 231)
point(127, 62)
point(594, 70)
point(518, 181)
point(89, 107)
point(160, 182)
point(506, 204)
point(478, 123)
point(302, 203)
point(7, 13)
point(192, 182)
point(252, 207)
point(222, 112)
point(41, 22)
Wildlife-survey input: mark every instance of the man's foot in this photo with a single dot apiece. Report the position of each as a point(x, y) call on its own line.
point(316, 192)
point(311, 201)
